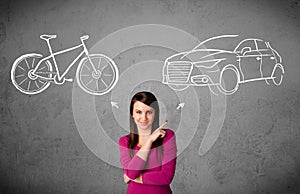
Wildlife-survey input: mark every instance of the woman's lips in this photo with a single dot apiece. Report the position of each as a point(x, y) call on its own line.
point(143, 123)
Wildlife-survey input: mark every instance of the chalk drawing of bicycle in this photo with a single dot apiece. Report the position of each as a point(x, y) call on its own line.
point(96, 74)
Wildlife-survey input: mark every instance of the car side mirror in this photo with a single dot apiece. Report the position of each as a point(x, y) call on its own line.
point(245, 50)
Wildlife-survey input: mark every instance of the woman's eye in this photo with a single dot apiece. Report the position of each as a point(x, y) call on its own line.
point(138, 112)
point(150, 112)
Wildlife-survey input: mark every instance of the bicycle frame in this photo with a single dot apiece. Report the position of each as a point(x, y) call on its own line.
point(52, 55)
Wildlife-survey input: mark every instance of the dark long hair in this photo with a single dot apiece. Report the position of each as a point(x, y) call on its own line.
point(150, 100)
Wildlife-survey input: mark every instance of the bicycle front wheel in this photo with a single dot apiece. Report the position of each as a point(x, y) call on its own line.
point(100, 82)
point(22, 74)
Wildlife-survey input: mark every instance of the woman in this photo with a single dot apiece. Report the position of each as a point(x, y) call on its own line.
point(148, 153)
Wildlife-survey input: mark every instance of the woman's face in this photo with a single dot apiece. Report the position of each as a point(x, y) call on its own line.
point(143, 116)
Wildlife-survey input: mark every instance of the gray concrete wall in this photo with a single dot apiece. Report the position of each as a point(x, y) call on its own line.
point(257, 151)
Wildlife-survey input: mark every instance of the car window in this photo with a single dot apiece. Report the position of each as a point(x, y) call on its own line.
point(261, 45)
point(246, 43)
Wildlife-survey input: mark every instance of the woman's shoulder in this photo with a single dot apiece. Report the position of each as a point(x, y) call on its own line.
point(169, 134)
point(123, 141)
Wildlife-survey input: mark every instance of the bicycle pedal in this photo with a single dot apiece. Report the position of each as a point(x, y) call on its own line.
point(69, 79)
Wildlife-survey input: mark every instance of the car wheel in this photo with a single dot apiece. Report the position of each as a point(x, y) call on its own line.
point(277, 74)
point(229, 80)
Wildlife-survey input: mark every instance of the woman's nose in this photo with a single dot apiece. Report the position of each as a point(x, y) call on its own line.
point(144, 117)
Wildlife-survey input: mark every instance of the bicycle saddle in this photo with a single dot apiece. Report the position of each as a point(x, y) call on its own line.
point(47, 36)
point(85, 37)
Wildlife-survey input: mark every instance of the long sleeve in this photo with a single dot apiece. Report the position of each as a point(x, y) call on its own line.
point(166, 174)
point(132, 167)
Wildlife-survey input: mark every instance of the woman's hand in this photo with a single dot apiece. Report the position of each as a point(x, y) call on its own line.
point(137, 180)
point(126, 178)
point(145, 149)
point(158, 133)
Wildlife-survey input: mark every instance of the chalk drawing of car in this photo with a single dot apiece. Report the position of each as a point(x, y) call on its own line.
point(208, 64)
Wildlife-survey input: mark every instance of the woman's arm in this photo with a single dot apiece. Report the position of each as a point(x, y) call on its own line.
point(167, 172)
point(133, 166)
point(162, 177)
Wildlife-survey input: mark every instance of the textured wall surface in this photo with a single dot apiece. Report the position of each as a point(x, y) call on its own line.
point(258, 150)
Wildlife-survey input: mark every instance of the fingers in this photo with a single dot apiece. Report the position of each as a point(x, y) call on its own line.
point(162, 133)
point(159, 132)
point(126, 178)
point(164, 124)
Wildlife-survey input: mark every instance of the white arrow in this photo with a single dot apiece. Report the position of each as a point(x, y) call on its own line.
point(181, 105)
point(114, 104)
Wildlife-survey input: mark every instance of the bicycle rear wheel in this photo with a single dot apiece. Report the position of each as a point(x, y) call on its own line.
point(100, 82)
point(22, 77)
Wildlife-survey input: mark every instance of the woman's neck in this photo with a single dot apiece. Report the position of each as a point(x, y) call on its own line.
point(144, 132)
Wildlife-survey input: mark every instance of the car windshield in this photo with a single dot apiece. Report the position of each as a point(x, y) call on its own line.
point(224, 42)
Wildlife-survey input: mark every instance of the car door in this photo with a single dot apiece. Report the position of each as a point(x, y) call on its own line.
point(250, 60)
point(268, 59)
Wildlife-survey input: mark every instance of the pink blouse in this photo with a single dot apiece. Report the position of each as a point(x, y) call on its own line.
point(157, 172)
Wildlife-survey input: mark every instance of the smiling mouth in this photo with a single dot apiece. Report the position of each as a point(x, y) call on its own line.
point(143, 123)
